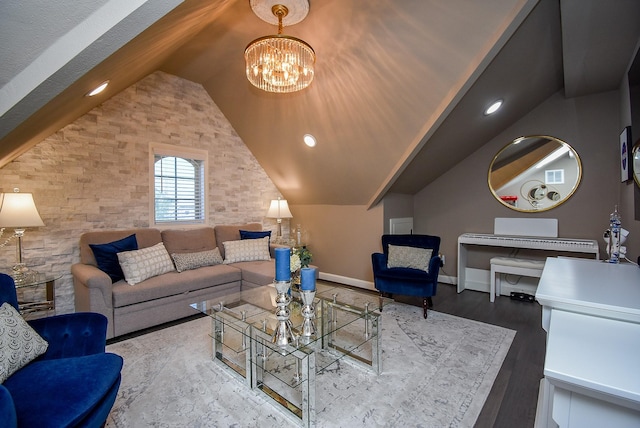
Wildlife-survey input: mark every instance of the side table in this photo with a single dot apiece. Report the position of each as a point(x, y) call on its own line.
point(33, 279)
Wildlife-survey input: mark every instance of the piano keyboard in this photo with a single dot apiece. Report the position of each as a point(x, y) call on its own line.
point(533, 242)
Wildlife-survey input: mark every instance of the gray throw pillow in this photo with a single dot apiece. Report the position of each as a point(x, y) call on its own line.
point(188, 261)
point(409, 257)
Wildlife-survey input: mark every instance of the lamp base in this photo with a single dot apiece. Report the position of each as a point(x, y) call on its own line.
point(22, 274)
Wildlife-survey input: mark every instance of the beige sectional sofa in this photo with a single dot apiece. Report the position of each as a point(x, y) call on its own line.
point(165, 297)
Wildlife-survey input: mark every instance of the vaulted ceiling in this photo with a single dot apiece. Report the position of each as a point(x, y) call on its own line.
point(398, 94)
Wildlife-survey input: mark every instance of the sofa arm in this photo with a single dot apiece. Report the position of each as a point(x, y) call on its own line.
point(7, 409)
point(92, 279)
point(434, 267)
point(379, 262)
point(72, 335)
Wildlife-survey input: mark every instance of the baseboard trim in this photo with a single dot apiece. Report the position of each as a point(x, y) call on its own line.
point(446, 279)
point(347, 281)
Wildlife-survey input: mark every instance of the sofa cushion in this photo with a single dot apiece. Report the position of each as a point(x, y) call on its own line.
point(232, 233)
point(246, 250)
point(142, 264)
point(187, 261)
point(19, 343)
point(107, 258)
point(62, 392)
point(409, 257)
point(260, 272)
point(173, 283)
point(255, 234)
point(189, 240)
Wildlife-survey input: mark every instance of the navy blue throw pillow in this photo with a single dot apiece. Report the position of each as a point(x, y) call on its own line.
point(107, 255)
point(255, 234)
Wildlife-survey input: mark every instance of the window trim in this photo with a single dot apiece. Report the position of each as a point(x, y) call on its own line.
point(181, 152)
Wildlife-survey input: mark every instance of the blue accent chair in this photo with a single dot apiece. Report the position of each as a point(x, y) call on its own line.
point(407, 281)
point(73, 384)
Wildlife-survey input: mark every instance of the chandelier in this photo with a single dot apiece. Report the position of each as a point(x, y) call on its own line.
point(280, 63)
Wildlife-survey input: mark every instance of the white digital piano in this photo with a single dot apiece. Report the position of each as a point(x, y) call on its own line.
point(516, 233)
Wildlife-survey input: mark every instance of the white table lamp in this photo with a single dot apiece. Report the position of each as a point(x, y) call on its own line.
point(18, 211)
point(279, 209)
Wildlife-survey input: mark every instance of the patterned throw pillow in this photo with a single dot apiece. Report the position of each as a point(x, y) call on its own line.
point(409, 257)
point(246, 250)
point(19, 343)
point(142, 264)
point(187, 261)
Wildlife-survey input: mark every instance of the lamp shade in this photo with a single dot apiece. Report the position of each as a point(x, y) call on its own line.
point(279, 208)
point(17, 210)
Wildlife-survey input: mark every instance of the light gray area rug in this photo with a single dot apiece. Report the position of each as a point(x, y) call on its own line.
point(435, 373)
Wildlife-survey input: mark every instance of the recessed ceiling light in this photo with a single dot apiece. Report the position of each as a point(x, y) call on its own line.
point(309, 140)
point(493, 108)
point(99, 89)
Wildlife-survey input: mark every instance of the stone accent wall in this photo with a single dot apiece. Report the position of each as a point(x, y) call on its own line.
point(94, 173)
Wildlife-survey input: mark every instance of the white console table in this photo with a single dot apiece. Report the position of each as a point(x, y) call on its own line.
point(591, 312)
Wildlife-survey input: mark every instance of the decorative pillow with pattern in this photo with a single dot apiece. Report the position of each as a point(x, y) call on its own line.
point(19, 343)
point(145, 263)
point(409, 257)
point(188, 261)
point(246, 250)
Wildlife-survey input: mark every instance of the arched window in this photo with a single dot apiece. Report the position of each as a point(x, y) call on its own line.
point(179, 188)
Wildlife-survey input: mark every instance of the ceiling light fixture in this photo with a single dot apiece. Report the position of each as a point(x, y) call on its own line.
point(99, 89)
point(309, 140)
point(493, 108)
point(280, 63)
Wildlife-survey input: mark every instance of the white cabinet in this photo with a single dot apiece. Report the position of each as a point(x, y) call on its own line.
point(591, 312)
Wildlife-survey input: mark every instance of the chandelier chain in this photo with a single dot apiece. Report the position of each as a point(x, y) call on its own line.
point(280, 11)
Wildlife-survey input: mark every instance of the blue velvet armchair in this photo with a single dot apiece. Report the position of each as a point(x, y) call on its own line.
point(73, 384)
point(408, 281)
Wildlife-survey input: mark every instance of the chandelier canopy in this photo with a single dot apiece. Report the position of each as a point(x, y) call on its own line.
point(279, 63)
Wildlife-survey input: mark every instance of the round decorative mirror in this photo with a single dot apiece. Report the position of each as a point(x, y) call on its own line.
point(537, 173)
point(635, 159)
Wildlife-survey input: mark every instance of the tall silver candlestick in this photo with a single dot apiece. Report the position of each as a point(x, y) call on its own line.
point(308, 312)
point(283, 335)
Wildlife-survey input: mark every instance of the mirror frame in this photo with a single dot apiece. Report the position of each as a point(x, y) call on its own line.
point(635, 163)
point(541, 190)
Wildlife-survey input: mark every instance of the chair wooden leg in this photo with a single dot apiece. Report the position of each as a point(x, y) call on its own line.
point(427, 303)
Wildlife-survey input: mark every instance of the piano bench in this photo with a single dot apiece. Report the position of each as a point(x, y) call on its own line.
point(511, 265)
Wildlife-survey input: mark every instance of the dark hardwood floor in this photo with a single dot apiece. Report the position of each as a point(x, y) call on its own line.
point(513, 398)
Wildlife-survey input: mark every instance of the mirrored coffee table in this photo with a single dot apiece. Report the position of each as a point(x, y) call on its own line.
point(347, 326)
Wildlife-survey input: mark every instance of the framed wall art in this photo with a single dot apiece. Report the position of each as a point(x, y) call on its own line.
point(625, 154)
